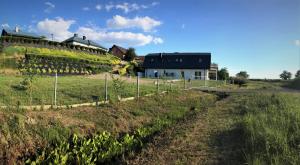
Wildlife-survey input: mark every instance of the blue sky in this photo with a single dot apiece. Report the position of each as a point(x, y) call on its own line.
point(259, 36)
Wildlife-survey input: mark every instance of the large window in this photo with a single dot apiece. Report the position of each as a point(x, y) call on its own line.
point(198, 75)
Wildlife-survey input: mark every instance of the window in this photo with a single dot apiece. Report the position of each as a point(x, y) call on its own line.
point(200, 60)
point(180, 60)
point(197, 75)
point(182, 74)
point(152, 59)
point(176, 59)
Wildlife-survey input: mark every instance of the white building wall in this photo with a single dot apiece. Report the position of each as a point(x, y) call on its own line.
point(188, 73)
point(88, 46)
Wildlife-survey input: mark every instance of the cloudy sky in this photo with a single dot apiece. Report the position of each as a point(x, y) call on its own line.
point(259, 36)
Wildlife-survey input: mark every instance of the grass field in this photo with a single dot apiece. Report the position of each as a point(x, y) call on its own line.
point(22, 132)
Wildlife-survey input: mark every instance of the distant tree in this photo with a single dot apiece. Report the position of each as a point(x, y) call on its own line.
point(130, 54)
point(297, 75)
point(285, 75)
point(223, 74)
point(242, 74)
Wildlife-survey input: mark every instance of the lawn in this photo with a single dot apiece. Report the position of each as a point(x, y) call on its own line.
point(71, 89)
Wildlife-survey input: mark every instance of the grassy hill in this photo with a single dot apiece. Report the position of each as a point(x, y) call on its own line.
point(47, 61)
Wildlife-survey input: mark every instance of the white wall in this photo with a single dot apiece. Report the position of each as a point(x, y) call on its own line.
point(188, 73)
point(88, 46)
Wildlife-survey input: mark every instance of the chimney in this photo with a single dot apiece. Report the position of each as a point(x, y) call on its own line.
point(17, 29)
point(84, 37)
point(75, 35)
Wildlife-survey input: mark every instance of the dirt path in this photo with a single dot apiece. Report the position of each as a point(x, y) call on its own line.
point(209, 137)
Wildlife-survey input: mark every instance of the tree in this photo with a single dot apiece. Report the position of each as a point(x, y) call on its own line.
point(130, 54)
point(223, 74)
point(297, 75)
point(242, 74)
point(285, 75)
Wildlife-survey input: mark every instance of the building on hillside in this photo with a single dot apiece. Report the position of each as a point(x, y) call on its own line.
point(19, 33)
point(118, 51)
point(75, 40)
point(178, 65)
point(139, 59)
point(213, 71)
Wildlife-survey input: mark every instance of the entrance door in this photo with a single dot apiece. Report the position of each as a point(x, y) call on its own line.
point(182, 74)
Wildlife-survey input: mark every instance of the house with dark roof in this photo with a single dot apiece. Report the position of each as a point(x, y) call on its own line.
point(19, 33)
point(118, 51)
point(178, 65)
point(83, 41)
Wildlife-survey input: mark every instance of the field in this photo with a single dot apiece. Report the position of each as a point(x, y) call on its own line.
point(254, 124)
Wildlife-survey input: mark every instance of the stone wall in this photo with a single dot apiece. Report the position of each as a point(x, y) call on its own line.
point(19, 41)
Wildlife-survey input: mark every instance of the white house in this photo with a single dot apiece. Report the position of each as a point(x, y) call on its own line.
point(75, 40)
point(178, 65)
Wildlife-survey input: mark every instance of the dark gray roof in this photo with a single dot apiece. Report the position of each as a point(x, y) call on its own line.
point(177, 61)
point(20, 33)
point(82, 41)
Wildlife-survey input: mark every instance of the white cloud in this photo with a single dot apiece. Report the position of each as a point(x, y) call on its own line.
point(5, 25)
point(297, 42)
point(50, 7)
point(122, 38)
point(129, 7)
point(58, 27)
point(108, 7)
point(145, 23)
point(98, 7)
point(157, 40)
point(85, 8)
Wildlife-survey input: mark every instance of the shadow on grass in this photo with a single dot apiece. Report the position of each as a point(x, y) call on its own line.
point(228, 146)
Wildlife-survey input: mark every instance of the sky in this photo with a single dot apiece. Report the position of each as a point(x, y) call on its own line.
point(261, 37)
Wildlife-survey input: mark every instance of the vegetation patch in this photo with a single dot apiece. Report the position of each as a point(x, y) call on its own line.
point(271, 125)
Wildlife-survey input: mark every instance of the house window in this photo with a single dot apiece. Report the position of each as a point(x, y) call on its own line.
point(180, 60)
point(200, 60)
point(152, 59)
point(176, 59)
point(198, 75)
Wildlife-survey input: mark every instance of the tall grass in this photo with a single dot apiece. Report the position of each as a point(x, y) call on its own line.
point(272, 128)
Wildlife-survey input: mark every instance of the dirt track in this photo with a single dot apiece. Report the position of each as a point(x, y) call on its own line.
point(209, 137)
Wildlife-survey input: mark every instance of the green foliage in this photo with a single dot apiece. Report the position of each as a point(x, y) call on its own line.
point(242, 74)
point(272, 128)
point(118, 86)
point(223, 74)
point(74, 55)
point(297, 75)
point(103, 147)
point(294, 84)
point(241, 81)
point(285, 75)
point(130, 54)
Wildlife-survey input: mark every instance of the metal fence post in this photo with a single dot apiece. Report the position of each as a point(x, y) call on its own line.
point(55, 90)
point(157, 85)
point(184, 84)
point(105, 87)
point(137, 86)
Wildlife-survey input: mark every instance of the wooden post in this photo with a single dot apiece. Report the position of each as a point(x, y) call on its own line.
point(55, 89)
point(137, 86)
point(106, 88)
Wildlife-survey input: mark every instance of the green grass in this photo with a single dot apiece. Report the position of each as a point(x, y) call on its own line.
point(294, 84)
point(101, 59)
point(70, 90)
point(272, 128)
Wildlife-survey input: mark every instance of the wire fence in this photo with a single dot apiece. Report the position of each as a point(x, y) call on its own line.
point(67, 90)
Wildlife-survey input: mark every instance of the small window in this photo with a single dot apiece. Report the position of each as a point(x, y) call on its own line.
point(176, 59)
point(152, 59)
point(197, 75)
point(200, 60)
point(180, 60)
